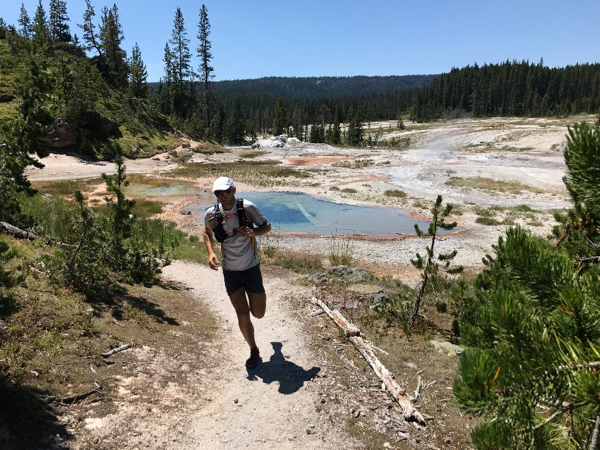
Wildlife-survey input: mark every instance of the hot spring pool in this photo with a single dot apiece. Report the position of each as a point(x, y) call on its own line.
point(301, 213)
point(291, 212)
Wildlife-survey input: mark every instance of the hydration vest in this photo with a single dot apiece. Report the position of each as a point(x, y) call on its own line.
point(243, 217)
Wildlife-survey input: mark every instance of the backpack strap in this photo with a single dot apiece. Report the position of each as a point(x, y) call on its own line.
point(245, 219)
point(218, 230)
point(243, 215)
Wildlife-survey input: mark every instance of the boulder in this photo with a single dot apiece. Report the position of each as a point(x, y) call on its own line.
point(318, 278)
point(446, 347)
point(378, 299)
point(351, 275)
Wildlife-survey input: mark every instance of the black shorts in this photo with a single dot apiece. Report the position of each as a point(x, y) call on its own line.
point(250, 279)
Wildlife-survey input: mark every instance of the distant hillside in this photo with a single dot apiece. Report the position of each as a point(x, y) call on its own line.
point(309, 88)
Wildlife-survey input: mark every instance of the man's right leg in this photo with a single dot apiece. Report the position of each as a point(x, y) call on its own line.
point(242, 309)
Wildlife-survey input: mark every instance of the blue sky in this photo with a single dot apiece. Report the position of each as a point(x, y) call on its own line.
point(254, 39)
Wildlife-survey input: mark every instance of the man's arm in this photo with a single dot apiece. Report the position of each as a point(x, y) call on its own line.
point(261, 230)
point(213, 261)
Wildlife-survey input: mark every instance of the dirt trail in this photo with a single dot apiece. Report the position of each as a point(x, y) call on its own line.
point(277, 404)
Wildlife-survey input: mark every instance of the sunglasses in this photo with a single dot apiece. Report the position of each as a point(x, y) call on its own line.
point(219, 193)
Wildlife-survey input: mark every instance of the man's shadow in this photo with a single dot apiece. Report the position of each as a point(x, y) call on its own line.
point(291, 376)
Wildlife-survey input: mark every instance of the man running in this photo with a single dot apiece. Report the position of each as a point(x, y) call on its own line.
point(232, 222)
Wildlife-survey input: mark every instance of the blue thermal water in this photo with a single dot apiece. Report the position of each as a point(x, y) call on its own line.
point(291, 212)
point(302, 213)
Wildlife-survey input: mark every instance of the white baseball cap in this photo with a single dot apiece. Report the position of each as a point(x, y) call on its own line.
point(222, 184)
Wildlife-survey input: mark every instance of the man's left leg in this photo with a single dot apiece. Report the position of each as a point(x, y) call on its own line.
point(258, 304)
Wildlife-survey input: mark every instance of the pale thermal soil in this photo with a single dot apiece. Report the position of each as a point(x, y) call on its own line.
point(296, 399)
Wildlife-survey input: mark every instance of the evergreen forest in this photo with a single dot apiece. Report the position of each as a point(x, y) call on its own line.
point(102, 91)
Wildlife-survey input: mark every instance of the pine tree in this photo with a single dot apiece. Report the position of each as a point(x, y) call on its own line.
point(355, 127)
point(206, 70)
point(115, 58)
point(138, 76)
point(533, 372)
point(429, 266)
point(237, 129)
point(26, 29)
point(20, 138)
point(181, 65)
point(580, 227)
point(90, 37)
point(216, 130)
point(3, 28)
point(166, 83)
point(279, 121)
point(41, 36)
point(120, 216)
point(336, 133)
point(59, 22)
point(83, 86)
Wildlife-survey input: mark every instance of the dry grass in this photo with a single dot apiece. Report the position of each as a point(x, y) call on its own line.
point(255, 173)
point(208, 148)
point(252, 155)
point(66, 188)
point(489, 184)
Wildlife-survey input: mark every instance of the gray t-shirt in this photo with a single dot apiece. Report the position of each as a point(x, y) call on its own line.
point(239, 252)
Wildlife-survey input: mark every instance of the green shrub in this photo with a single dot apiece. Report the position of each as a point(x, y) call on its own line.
point(487, 221)
point(395, 193)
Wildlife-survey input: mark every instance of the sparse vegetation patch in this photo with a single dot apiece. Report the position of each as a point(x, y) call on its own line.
point(489, 184)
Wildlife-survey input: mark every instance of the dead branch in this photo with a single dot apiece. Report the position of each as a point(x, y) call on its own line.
point(116, 350)
point(353, 333)
point(560, 412)
point(73, 398)
point(417, 390)
point(370, 344)
point(562, 236)
point(595, 434)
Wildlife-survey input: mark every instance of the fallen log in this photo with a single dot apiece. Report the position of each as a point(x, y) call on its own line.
point(353, 333)
point(7, 228)
point(337, 317)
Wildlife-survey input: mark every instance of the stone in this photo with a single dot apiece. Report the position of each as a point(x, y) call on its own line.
point(352, 275)
point(318, 278)
point(446, 347)
point(378, 299)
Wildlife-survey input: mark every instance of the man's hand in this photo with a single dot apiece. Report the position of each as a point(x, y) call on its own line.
point(213, 261)
point(245, 231)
